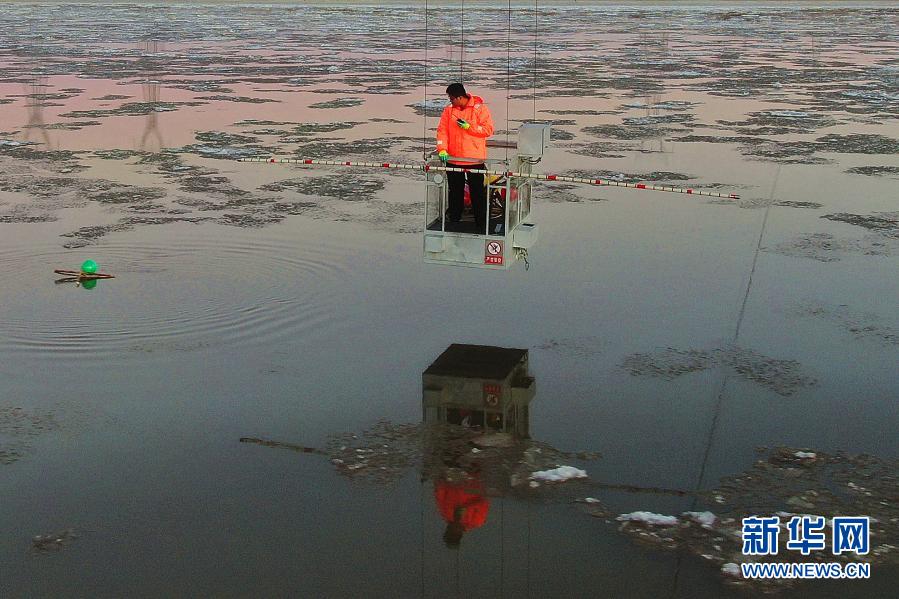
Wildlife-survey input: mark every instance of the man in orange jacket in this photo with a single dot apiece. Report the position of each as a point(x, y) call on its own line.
point(462, 136)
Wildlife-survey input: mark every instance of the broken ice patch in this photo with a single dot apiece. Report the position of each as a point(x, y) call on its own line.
point(648, 519)
point(560, 474)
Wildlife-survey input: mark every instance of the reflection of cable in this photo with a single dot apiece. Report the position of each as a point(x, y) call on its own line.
point(458, 566)
point(502, 546)
point(527, 569)
point(421, 506)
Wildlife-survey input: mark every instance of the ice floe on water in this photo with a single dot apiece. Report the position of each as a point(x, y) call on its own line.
point(560, 474)
point(826, 247)
point(19, 427)
point(886, 223)
point(794, 204)
point(860, 324)
point(53, 542)
point(784, 482)
point(386, 452)
point(338, 103)
point(226, 153)
point(705, 519)
point(348, 187)
point(874, 171)
point(655, 176)
point(648, 519)
point(429, 107)
point(790, 114)
point(580, 347)
point(784, 377)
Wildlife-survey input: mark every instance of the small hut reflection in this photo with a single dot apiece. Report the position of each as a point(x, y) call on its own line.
point(479, 386)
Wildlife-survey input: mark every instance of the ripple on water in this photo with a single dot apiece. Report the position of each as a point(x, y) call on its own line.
point(185, 294)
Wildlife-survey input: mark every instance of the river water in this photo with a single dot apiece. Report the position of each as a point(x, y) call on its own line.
point(680, 349)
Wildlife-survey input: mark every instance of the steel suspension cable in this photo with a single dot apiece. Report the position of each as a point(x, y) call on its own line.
point(536, 26)
point(462, 44)
point(424, 107)
point(719, 398)
point(508, 72)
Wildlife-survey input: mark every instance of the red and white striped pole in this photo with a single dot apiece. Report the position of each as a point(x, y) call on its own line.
point(458, 169)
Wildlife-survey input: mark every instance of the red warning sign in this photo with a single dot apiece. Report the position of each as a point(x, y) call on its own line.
point(492, 393)
point(493, 252)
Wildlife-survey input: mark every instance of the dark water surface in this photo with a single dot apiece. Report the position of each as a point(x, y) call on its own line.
point(685, 341)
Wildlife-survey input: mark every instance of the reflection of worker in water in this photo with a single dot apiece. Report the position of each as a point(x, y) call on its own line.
point(459, 493)
point(463, 505)
point(462, 141)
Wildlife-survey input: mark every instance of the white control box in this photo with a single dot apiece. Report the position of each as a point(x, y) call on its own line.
point(525, 236)
point(533, 139)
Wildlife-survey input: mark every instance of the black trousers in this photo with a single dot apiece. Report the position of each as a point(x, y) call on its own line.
point(456, 183)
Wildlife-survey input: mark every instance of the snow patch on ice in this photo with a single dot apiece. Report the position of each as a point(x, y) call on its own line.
point(648, 518)
point(562, 473)
point(790, 114)
point(706, 519)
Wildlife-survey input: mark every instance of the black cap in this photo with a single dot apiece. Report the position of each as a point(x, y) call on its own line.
point(456, 90)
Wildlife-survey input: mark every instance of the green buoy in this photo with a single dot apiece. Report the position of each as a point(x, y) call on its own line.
point(89, 267)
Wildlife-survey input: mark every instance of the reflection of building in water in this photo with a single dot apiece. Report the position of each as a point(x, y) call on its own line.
point(35, 99)
point(482, 389)
point(149, 65)
point(475, 458)
point(479, 386)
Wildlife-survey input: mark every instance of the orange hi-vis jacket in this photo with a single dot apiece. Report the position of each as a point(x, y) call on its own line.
point(470, 144)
